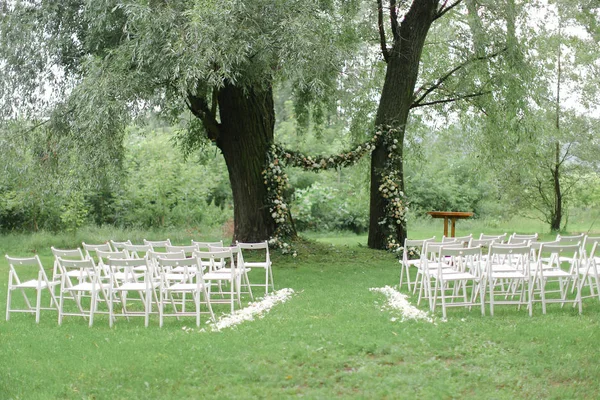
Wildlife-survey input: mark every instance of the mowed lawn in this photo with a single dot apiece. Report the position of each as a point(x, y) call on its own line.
point(330, 340)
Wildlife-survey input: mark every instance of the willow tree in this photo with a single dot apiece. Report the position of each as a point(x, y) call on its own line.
point(86, 68)
point(536, 131)
point(403, 28)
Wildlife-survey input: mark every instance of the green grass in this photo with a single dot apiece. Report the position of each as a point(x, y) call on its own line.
point(331, 340)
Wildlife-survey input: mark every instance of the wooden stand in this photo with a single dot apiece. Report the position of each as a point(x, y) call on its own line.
point(452, 216)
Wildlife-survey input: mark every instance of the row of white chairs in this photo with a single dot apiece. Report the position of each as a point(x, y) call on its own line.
point(107, 273)
point(517, 270)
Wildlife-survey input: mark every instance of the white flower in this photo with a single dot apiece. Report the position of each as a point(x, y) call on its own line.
point(254, 309)
point(398, 301)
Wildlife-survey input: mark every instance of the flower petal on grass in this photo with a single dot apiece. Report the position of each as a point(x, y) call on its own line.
point(257, 309)
point(398, 301)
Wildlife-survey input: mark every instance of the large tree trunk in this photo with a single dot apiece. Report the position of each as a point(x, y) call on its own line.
point(395, 103)
point(245, 133)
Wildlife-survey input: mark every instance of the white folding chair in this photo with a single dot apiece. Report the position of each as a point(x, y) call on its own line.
point(562, 268)
point(430, 262)
point(78, 277)
point(507, 276)
point(213, 276)
point(170, 273)
point(65, 254)
point(129, 281)
point(191, 281)
point(18, 269)
point(412, 253)
point(251, 253)
point(239, 267)
point(452, 284)
point(588, 269)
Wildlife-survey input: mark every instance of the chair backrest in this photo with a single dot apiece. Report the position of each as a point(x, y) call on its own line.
point(591, 256)
point(119, 245)
point(137, 250)
point(482, 242)
point(68, 254)
point(103, 256)
point(432, 249)
point(189, 266)
point(464, 259)
point(570, 239)
point(517, 238)
point(515, 255)
point(413, 248)
point(32, 263)
point(214, 260)
point(253, 250)
point(558, 252)
point(87, 268)
point(158, 244)
point(465, 240)
point(236, 252)
point(203, 246)
point(154, 255)
point(91, 250)
point(127, 265)
point(188, 250)
point(587, 242)
point(496, 238)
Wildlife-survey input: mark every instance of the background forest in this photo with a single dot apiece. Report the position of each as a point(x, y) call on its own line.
point(511, 129)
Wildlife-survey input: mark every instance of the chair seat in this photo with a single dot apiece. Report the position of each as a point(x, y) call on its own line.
point(215, 276)
point(87, 287)
point(457, 276)
point(33, 284)
point(503, 268)
point(557, 273)
point(183, 287)
point(508, 275)
point(138, 286)
point(256, 264)
point(175, 277)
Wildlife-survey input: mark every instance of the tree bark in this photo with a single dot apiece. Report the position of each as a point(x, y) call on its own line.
point(556, 219)
point(397, 97)
point(244, 134)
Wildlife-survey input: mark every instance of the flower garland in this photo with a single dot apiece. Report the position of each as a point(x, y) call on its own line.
point(276, 181)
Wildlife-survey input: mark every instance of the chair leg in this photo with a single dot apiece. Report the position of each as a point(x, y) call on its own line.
point(38, 304)
point(9, 291)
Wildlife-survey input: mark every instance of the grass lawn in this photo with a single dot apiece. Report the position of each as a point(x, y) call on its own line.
point(331, 339)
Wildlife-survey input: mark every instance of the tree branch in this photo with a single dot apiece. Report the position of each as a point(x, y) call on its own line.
point(447, 75)
point(443, 9)
point(394, 20)
point(540, 188)
point(384, 50)
point(199, 107)
point(563, 159)
point(450, 100)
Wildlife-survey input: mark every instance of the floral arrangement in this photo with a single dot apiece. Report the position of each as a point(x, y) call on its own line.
point(277, 181)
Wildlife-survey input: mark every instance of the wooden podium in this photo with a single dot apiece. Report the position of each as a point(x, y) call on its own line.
point(452, 216)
